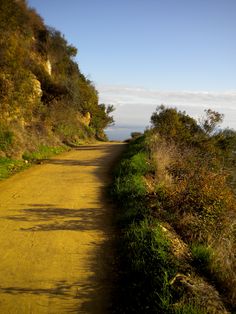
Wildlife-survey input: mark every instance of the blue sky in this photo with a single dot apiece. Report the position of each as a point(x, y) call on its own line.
point(143, 53)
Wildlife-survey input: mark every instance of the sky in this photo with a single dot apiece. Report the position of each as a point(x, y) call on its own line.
point(143, 53)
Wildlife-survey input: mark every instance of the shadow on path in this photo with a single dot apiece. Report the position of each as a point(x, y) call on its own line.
point(53, 218)
point(93, 294)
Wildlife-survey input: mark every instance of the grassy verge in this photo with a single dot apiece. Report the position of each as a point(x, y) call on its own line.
point(10, 166)
point(146, 263)
point(43, 152)
point(175, 182)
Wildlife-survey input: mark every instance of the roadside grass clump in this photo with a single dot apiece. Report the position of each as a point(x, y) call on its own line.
point(147, 255)
point(137, 164)
point(129, 187)
point(202, 256)
point(43, 152)
point(10, 166)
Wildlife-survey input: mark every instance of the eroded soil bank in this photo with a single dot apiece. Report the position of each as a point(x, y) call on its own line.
point(56, 235)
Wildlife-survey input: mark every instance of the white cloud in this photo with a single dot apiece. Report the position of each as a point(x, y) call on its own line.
point(134, 105)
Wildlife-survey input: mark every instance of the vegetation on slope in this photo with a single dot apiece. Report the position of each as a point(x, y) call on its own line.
point(44, 98)
point(177, 217)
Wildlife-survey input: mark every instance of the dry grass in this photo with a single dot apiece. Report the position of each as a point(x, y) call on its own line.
point(200, 205)
point(162, 155)
point(223, 265)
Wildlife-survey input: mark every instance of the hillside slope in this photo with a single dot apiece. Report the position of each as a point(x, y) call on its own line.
point(177, 217)
point(44, 98)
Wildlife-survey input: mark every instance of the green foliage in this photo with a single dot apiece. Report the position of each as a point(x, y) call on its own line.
point(226, 141)
point(137, 164)
point(43, 152)
point(202, 256)
point(175, 125)
point(10, 166)
point(130, 185)
point(73, 133)
point(189, 191)
point(101, 119)
point(39, 74)
point(211, 121)
point(145, 252)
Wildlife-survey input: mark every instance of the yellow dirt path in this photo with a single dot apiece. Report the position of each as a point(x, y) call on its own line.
point(55, 235)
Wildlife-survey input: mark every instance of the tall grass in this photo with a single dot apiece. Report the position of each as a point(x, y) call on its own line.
point(192, 193)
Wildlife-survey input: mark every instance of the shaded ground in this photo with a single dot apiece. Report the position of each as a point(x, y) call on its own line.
point(56, 235)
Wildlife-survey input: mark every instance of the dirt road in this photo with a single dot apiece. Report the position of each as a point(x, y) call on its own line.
point(56, 233)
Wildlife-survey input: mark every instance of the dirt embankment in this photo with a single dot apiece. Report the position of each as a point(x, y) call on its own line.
point(56, 233)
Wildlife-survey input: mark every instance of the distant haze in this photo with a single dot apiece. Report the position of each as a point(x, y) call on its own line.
point(134, 106)
point(120, 133)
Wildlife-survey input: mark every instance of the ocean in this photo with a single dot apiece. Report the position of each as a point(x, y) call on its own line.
point(121, 133)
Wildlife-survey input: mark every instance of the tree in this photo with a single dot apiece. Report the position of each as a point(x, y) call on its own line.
point(174, 125)
point(212, 120)
point(101, 119)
